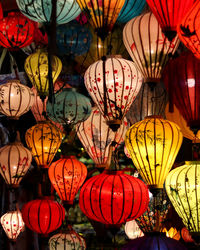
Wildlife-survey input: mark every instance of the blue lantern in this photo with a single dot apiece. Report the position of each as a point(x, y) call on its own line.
point(40, 10)
point(131, 9)
point(69, 107)
point(73, 39)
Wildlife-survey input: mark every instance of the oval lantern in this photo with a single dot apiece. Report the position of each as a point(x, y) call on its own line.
point(186, 235)
point(36, 67)
point(113, 85)
point(66, 176)
point(147, 46)
point(16, 31)
point(113, 197)
point(41, 10)
point(132, 230)
point(43, 140)
point(96, 137)
point(12, 224)
point(68, 239)
point(70, 107)
point(43, 215)
point(153, 144)
point(15, 99)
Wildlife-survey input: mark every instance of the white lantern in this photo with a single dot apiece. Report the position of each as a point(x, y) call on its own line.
point(132, 230)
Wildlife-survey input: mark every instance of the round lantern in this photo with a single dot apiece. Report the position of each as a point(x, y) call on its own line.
point(16, 31)
point(67, 175)
point(113, 85)
point(68, 239)
point(41, 10)
point(169, 14)
point(183, 190)
point(43, 140)
point(69, 107)
point(12, 224)
point(153, 144)
point(147, 46)
point(15, 99)
point(36, 67)
point(186, 235)
point(43, 216)
point(132, 230)
point(96, 136)
point(113, 197)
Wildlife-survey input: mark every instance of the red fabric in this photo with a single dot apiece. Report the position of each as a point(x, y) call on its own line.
point(113, 197)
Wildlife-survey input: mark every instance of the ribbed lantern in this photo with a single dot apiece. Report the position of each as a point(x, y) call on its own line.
point(96, 136)
point(153, 144)
point(15, 99)
point(183, 190)
point(41, 10)
point(113, 85)
point(132, 230)
point(43, 140)
point(16, 31)
point(113, 197)
point(43, 215)
point(69, 239)
point(12, 224)
point(169, 13)
point(147, 46)
point(70, 107)
point(67, 175)
point(36, 67)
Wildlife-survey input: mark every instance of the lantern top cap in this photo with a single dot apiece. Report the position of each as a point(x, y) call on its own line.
point(68, 157)
point(113, 172)
point(113, 56)
point(192, 162)
point(154, 116)
point(13, 81)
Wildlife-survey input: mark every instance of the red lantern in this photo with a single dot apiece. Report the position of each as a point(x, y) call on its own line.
point(43, 215)
point(16, 31)
point(186, 235)
point(113, 197)
point(67, 175)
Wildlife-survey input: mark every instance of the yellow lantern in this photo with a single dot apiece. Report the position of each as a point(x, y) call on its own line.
point(36, 67)
point(44, 140)
point(153, 144)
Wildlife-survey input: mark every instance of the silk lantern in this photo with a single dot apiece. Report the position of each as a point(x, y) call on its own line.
point(43, 140)
point(96, 137)
point(153, 144)
point(186, 235)
point(15, 99)
point(67, 175)
point(113, 84)
point(43, 215)
point(113, 197)
point(12, 224)
point(132, 230)
point(36, 67)
point(172, 233)
point(147, 46)
point(41, 10)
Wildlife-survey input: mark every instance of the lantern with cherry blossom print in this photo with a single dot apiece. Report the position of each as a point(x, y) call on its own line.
point(16, 31)
point(113, 84)
point(147, 46)
point(96, 136)
point(12, 224)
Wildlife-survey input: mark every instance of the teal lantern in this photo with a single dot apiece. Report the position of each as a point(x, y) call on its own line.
point(40, 10)
point(70, 107)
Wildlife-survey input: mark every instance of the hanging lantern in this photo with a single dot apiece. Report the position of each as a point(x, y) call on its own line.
point(43, 140)
point(186, 235)
point(153, 145)
point(15, 99)
point(147, 46)
point(96, 136)
point(132, 230)
point(60, 85)
point(36, 67)
point(67, 175)
point(102, 15)
point(172, 233)
point(41, 10)
point(12, 224)
point(69, 107)
point(113, 85)
point(149, 101)
point(113, 197)
point(16, 31)
point(43, 215)
point(183, 190)
point(68, 239)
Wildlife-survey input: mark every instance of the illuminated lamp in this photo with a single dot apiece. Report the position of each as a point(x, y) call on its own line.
point(15, 99)
point(186, 235)
point(153, 144)
point(172, 233)
point(132, 230)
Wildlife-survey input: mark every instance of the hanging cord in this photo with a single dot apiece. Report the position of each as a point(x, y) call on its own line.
point(3, 55)
point(13, 65)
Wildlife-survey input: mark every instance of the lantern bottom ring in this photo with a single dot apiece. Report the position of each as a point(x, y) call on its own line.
point(114, 124)
point(155, 187)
